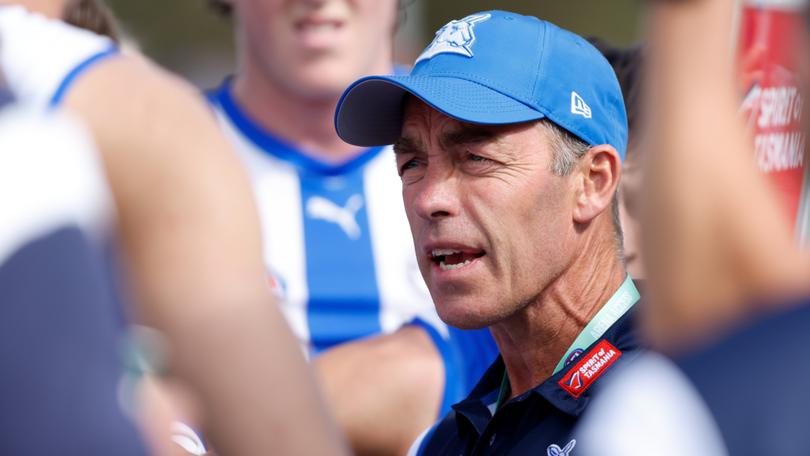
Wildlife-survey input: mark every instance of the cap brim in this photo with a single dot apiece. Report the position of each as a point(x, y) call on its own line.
point(370, 112)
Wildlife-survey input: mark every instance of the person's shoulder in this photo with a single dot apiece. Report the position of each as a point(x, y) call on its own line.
point(757, 365)
point(751, 350)
point(622, 422)
point(776, 336)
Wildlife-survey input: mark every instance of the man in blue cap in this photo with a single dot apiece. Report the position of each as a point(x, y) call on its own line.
point(509, 134)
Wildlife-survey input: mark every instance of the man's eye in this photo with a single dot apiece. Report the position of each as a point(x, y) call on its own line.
point(478, 159)
point(410, 164)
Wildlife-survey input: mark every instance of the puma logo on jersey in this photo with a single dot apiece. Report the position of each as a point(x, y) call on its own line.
point(345, 217)
point(456, 37)
point(579, 107)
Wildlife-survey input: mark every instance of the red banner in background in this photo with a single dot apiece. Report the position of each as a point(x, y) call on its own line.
point(769, 35)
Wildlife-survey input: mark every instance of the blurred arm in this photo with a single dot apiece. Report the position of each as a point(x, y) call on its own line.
point(192, 245)
point(715, 237)
point(384, 390)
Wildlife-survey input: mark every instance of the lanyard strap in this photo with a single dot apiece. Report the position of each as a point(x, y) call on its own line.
point(622, 300)
point(618, 304)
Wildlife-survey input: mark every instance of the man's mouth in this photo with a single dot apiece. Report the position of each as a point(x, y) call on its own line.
point(318, 25)
point(449, 259)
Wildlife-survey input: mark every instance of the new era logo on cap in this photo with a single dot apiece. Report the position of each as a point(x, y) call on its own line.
point(456, 37)
point(579, 107)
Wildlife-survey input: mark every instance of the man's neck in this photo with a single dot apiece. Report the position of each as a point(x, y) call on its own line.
point(308, 123)
point(534, 340)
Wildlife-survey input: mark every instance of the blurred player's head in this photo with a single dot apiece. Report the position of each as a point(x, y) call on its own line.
point(314, 48)
point(509, 148)
point(91, 15)
point(626, 62)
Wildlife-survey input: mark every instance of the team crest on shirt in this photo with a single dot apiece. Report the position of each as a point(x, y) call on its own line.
point(555, 450)
point(456, 37)
point(277, 283)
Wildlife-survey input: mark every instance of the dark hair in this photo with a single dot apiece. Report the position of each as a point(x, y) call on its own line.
point(91, 15)
point(627, 64)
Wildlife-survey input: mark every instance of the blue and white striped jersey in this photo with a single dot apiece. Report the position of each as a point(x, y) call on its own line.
point(336, 238)
point(337, 243)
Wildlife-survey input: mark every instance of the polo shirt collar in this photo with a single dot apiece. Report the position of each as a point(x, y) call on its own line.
point(475, 408)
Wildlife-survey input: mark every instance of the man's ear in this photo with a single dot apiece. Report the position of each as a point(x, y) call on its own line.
point(600, 170)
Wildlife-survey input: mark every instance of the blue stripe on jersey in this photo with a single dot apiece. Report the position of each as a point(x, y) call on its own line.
point(455, 383)
point(83, 66)
point(344, 301)
point(278, 148)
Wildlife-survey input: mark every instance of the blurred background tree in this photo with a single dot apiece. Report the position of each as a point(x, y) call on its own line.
point(186, 37)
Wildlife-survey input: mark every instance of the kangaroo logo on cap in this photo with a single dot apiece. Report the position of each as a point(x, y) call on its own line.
point(579, 107)
point(456, 37)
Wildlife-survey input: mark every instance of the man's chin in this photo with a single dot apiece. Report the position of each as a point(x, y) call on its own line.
point(463, 315)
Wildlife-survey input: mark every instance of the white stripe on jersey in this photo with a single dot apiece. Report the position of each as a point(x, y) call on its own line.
point(37, 53)
point(278, 197)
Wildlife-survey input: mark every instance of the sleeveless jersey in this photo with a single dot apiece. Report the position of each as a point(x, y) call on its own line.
point(336, 238)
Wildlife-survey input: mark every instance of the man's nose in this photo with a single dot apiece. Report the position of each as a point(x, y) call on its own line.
point(437, 194)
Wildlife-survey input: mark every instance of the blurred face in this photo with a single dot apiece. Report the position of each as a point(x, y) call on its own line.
point(50, 8)
point(316, 48)
point(492, 225)
point(629, 195)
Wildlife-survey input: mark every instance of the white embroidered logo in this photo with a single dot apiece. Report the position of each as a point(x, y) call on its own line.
point(344, 217)
point(579, 107)
point(555, 450)
point(456, 37)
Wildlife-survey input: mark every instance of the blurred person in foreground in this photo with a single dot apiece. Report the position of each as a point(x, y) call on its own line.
point(333, 222)
point(189, 246)
point(627, 63)
point(509, 134)
point(58, 323)
point(727, 283)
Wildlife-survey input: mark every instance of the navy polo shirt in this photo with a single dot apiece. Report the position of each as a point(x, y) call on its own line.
point(539, 421)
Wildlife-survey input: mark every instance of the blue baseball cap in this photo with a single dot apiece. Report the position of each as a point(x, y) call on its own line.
point(495, 67)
